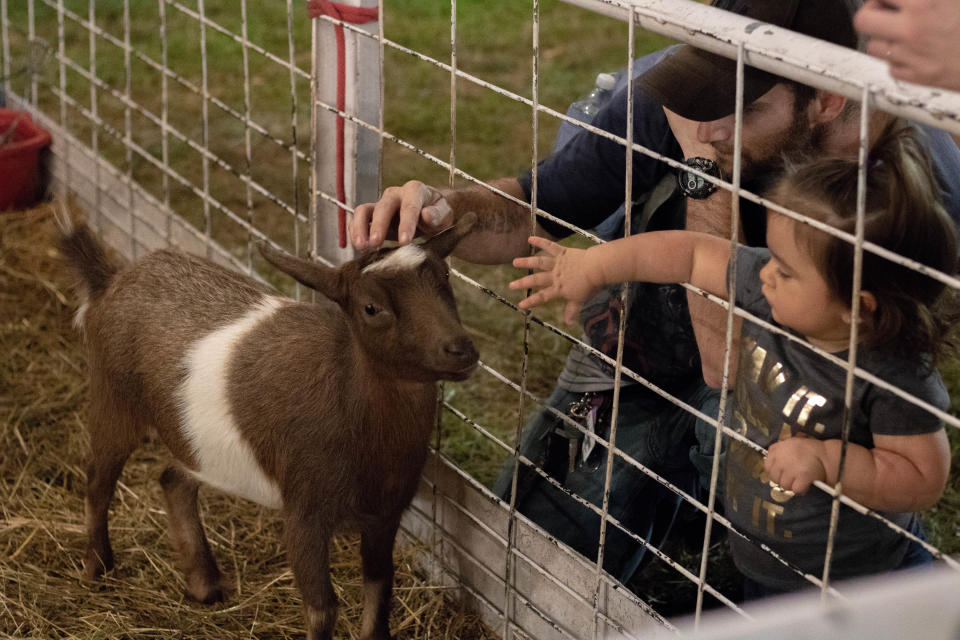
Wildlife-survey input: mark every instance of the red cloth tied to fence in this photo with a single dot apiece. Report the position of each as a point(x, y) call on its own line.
point(353, 15)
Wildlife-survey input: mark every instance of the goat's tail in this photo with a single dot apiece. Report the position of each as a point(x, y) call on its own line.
point(85, 254)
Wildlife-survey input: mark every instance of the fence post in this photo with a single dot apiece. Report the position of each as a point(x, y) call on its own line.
point(361, 146)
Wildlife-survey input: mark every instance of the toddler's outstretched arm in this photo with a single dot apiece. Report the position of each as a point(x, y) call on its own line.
point(659, 256)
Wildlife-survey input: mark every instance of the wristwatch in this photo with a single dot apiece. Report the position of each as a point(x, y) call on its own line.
point(694, 186)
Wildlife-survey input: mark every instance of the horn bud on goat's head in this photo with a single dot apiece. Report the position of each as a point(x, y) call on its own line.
point(443, 243)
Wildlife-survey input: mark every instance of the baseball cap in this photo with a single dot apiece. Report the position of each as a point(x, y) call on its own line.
point(702, 86)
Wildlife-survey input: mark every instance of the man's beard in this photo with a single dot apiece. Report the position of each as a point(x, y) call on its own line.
point(800, 142)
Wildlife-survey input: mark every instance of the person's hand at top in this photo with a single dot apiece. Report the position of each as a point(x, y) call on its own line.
point(406, 209)
point(920, 39)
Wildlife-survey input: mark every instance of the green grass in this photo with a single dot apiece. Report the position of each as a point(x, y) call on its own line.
point(494, 138)
point(942, 522)
point(494, 135)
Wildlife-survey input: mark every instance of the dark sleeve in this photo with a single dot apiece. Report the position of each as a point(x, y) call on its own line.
point(583, 183)
point(750, 260)
point(894, 416)
point(946, 164)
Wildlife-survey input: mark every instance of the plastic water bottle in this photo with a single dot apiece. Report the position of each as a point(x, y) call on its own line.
point(585, 109)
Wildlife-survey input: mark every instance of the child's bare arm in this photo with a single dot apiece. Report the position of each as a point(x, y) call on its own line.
point(660, 256)
point(901, 473)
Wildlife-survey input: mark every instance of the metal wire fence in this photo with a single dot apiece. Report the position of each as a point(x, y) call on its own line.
point(141, 120)
point(212, 158)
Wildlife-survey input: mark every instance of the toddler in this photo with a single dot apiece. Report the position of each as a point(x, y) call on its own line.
point(790, 400)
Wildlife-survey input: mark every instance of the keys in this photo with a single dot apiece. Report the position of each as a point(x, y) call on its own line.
point(589, 441)
point(586, 410)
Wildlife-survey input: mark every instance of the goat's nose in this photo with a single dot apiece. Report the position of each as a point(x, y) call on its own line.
point(461, 349)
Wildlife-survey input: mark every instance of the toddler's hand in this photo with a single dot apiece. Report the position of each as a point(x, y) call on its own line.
point(794, 464)
point(562, 273)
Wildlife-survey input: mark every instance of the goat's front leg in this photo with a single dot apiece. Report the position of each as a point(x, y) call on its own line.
point(204, 581)
point(308, 547)
point(376, 550)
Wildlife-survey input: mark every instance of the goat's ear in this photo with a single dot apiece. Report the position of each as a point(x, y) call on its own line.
point(447, 240)
point(321, 278)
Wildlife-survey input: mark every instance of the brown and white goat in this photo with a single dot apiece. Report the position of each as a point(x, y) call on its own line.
point(321, 410)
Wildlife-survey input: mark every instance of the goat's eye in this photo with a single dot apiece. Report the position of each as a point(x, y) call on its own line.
point(370, 310)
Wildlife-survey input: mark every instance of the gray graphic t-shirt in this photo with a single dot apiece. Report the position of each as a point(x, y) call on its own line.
point(784, 389)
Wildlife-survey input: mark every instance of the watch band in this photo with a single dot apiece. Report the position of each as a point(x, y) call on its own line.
point(694, 186)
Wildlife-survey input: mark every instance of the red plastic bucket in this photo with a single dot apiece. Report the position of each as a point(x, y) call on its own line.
point(21, 142)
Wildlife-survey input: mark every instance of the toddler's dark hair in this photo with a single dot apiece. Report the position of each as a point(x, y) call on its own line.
point(904, 214)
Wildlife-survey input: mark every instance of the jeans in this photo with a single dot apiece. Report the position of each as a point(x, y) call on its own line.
point(652, 431)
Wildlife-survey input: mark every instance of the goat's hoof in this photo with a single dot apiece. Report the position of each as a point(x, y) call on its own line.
point(209, 592)
point(210, 595)
point(92, 573)
point(94, 567)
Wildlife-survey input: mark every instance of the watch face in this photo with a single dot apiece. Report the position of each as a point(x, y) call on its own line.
point(693, 182)
point(694, 186)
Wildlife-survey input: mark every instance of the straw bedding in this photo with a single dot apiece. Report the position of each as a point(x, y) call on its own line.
point(43, 448)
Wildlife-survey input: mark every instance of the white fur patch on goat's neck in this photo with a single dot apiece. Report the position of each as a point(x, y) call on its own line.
point(406, 257)
point(224, 457)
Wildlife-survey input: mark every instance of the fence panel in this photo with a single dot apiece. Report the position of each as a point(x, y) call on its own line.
point(159, 139)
